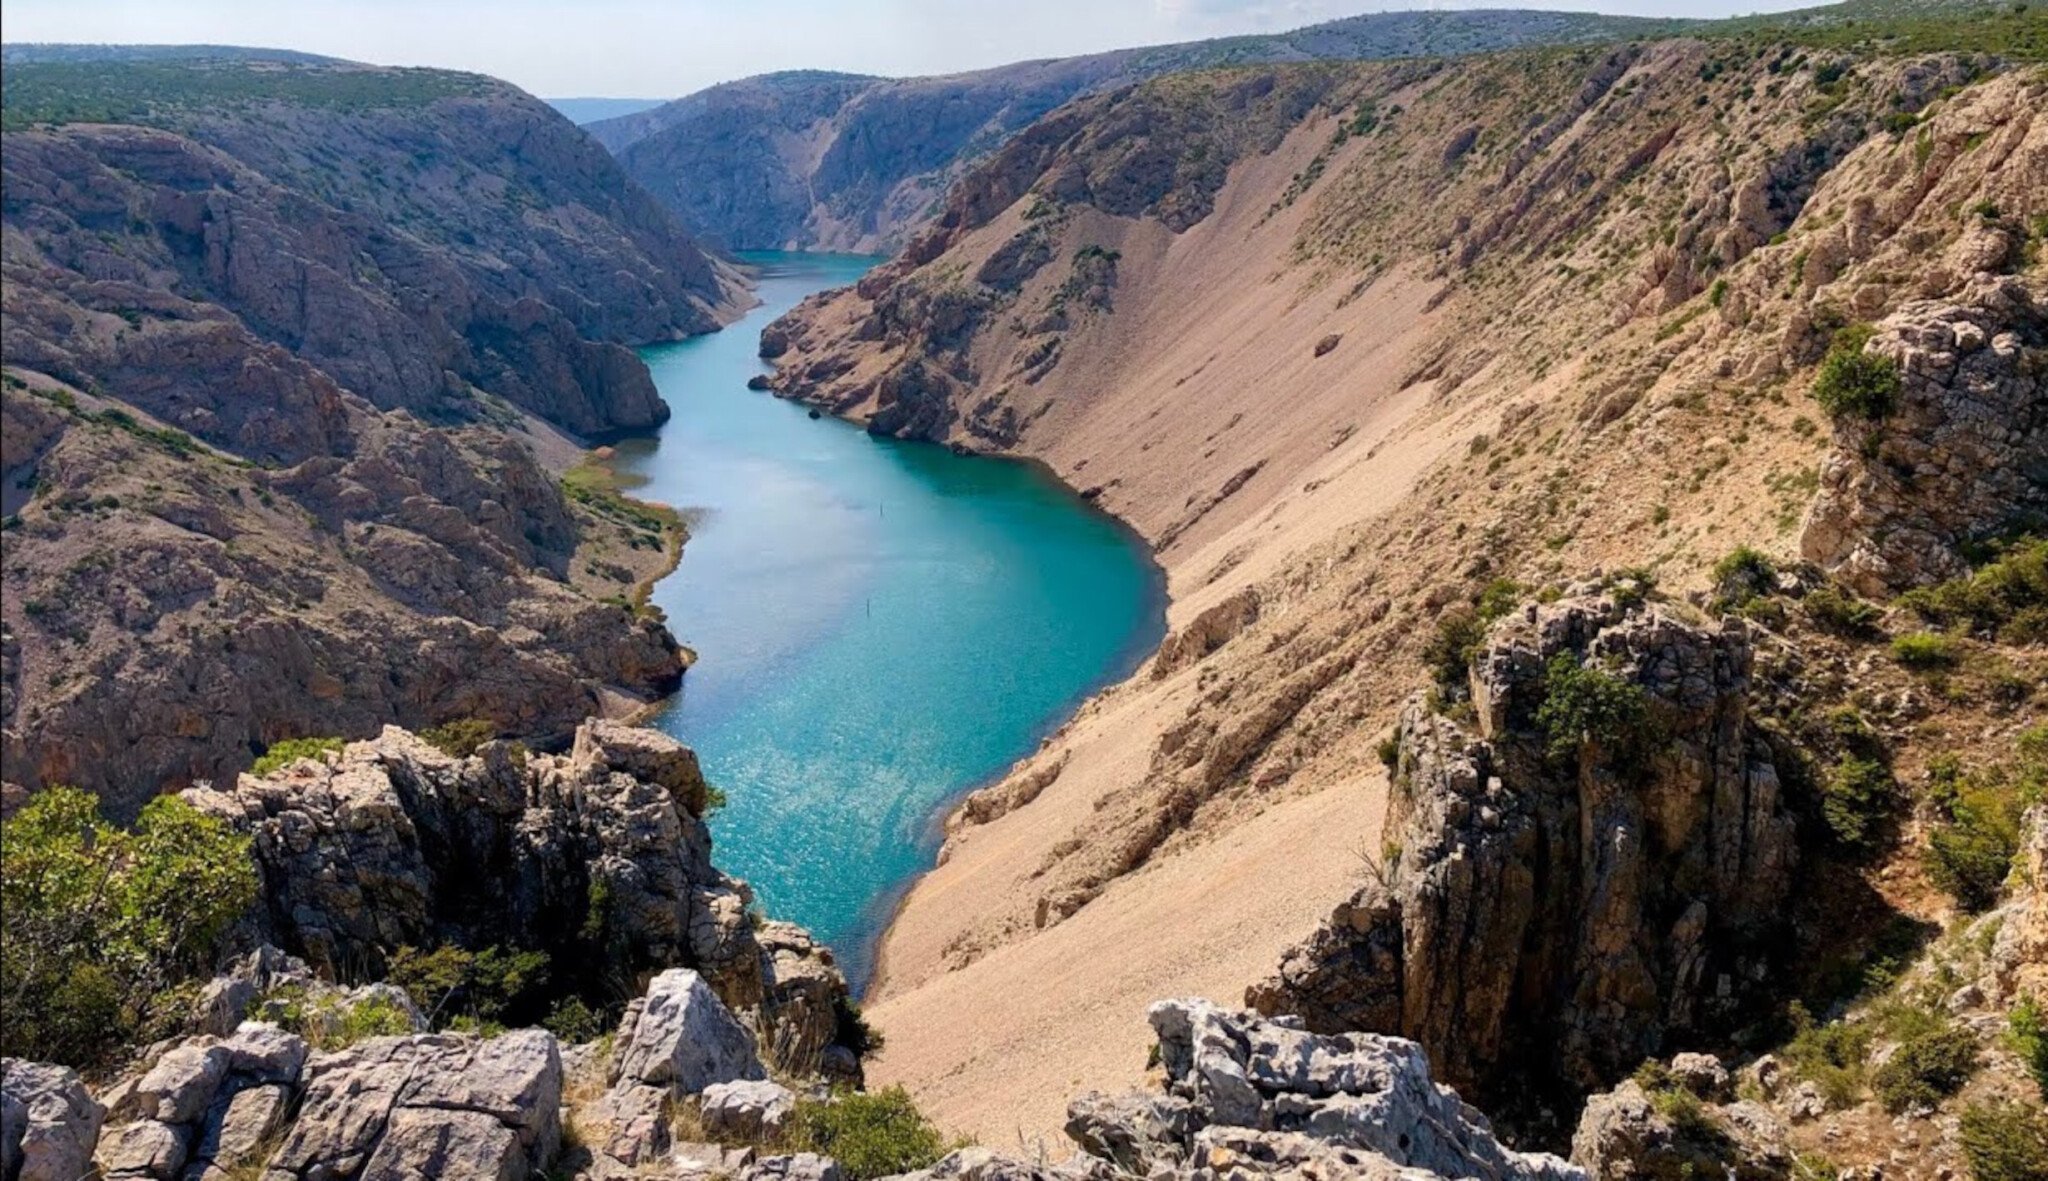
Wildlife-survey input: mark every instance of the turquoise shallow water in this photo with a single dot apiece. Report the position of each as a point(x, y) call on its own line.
point(880, 625)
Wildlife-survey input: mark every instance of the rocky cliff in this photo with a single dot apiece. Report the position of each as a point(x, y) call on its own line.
point(1600, 863)
point(1351, 344)
point(813, 160)
point(283, 343)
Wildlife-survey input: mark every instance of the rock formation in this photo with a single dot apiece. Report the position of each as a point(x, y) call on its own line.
point(598, 857)
point(1560, 906)
point(1963, 456)
point(280, 347)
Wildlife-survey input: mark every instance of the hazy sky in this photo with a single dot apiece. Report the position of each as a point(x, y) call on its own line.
point(664, 48)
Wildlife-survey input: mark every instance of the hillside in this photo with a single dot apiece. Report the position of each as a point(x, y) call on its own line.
point(1375, 354)
point(823, 161)
point(295, 355)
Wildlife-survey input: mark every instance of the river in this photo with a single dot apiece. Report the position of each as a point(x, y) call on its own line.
point(880, 625)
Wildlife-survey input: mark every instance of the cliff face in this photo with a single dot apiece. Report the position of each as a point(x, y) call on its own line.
point(280, 342)
point(1558, 906)
point(842, 162)
point(1348, 343)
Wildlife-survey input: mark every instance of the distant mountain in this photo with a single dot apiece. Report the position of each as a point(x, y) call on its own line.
point(590, 110)
point(24, 53)
point(842, 161)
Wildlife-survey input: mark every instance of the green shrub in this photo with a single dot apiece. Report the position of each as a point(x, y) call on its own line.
point(1926, 1068)
point(575, 1022)
point(1585, 703)
point(452, 985)
point(2005, 1141)
point(1971, 849)
point(2029, 1039)
point(460, 738)
point(1836, 610)
point(1855, 799)
point(1854, 383)
point(291, 750)
point(1461, 630)
point(1924, 651)
point(871, 1134)
point(1743, 577)
point(330, 1024)
point(98, 924)
point(1831, 1057)
point(2006, 599)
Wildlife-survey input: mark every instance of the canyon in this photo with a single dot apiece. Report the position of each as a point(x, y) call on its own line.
point(1296, 351)
point(1598, 488)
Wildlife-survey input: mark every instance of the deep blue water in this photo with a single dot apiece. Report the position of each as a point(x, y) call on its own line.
point(880, 625)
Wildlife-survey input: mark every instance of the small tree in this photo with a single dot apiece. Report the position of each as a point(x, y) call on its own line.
point(99, 922)
point(1854, 383)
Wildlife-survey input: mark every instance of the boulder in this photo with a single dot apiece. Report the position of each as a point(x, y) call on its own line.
point(428, 1105)
point(748, 1110)
point(800, 1166)
point(680, 1037)
point(49, 1123)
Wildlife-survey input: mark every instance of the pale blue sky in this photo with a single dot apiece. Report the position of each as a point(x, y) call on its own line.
point(664, 48)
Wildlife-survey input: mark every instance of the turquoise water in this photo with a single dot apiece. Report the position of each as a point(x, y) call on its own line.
point(879, 625)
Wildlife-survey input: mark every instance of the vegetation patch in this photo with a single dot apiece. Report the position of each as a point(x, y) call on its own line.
point(1743, 577)
point(2006, 599)
point(2005, 1141)
point(164, 91)
point(1587, 704)
point(100, 926)
point(870, 1133)
point(471, 990)
point(1854, 383)
point(1856, 798)
point(1926, 1068)
point(460, 738)
point(291, 750)
point(1925, 651)
point(1979, 817)
point(1460, 632)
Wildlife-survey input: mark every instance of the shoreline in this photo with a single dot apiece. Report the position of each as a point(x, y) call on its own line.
point(1125, 666)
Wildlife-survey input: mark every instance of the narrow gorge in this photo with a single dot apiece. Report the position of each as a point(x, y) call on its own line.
point(1449, 595)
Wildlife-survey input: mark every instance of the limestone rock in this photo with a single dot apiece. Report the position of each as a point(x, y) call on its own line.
point(800, 1166)
point(204, 1106)
point(1963, 455)
point(1623, 1135)
point(678, 1036)
point(1557, 924)
point(746, 1110)
point(428, 1105)
point(394, 843)
point(49, 1122)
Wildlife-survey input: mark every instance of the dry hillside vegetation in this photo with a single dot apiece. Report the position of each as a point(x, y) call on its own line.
point(1351, 344)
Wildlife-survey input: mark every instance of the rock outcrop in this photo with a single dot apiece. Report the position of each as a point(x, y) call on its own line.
point(1962, 456)
point(1250, 1097)
point(1560, 906)
point(1627, 1135)
point(598, 857)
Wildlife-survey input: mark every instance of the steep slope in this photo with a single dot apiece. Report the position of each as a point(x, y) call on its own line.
point(842, 162)
point(1348, 343)
point(281, 345)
